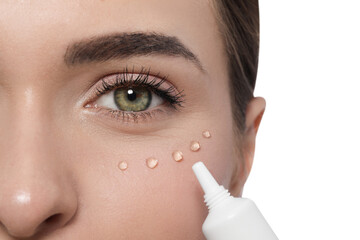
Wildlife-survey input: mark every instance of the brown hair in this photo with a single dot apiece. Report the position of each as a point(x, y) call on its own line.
point(239, 24)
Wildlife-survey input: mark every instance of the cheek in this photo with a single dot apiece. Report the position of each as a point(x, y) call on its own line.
point(165, 197)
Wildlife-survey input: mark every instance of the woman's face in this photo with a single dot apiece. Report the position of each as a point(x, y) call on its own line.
point(59, 174)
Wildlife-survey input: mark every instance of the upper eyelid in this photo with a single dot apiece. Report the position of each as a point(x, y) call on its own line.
point(140, 80)
point(143, 71)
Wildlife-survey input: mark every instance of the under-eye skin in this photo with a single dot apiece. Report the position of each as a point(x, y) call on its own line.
point(132, 96)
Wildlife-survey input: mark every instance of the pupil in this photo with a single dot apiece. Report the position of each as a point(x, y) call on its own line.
point(131, 95)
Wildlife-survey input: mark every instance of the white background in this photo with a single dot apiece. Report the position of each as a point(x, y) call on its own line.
point(306, 174)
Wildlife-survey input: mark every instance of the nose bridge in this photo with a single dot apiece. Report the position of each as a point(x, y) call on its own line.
point(30, 113)
point(34, 183)
point(29, 124)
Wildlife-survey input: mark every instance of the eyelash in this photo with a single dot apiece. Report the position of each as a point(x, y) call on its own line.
point(125, 79)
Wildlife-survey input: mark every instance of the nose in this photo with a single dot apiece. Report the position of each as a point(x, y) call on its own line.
point(37, 192)
point(35, 210)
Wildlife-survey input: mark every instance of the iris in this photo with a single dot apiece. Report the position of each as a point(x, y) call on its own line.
point(133, 99)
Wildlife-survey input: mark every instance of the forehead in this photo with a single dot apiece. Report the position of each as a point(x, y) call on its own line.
point(35, 27)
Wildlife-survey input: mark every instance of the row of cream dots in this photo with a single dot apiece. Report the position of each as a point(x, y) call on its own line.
point(177, 155)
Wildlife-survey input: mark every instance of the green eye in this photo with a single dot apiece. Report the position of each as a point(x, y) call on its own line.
point(133, 99)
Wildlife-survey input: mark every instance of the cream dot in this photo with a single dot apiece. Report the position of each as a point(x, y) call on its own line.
point(206, 134)
point(152, 162)
point(123, 165)
point(177, 156)
point(195, 146)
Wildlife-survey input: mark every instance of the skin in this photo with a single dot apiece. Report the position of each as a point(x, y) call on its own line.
point(59, 160)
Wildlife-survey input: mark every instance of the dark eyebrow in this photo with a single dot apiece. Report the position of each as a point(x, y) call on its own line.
point(121, 45)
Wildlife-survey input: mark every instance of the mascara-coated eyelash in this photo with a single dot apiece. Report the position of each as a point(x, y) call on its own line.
point(143, 78)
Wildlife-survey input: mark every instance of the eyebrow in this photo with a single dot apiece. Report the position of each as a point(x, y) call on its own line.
point(128, 44)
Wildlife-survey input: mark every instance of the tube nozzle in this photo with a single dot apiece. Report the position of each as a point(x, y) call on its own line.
point(206, 180)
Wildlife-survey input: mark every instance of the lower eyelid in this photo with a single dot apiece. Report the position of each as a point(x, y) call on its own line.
point(131, 117)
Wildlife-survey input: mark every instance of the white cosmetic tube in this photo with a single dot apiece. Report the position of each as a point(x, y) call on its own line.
point(230, 218)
